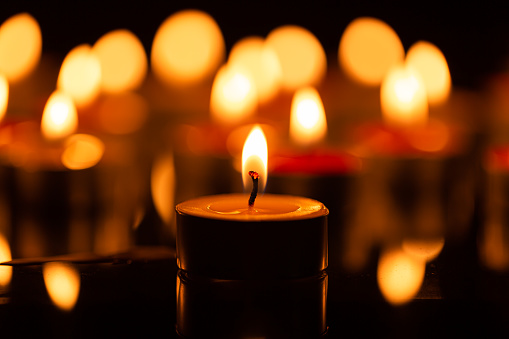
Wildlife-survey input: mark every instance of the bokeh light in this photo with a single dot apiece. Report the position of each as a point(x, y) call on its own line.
point(60, 117)
point(308, 125)
point(62, 282)
point(368, 49)
point(301, 55)
point(188, 48)
point(123, 61)
point(82, 151)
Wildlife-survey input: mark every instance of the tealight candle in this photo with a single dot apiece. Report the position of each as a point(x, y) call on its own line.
point(238, 236)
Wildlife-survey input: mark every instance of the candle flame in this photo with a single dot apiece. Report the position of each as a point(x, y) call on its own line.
point(302, 57)
point(187, 48)
point(233, 96)
point(20, 46)
point(307, 120)
point(62, 283)
point(60, 117)
point(123, 61)
point(403, 97)
point(368, 49)
point(80, 75)
point(5, 255)
point(399, 275)
point(254, 158)
point(429, 61)
point(4, 96)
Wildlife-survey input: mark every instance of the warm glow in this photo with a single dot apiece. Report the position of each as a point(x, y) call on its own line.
point(254, 158)
point(163, 187)
point(368, 49)
point(62, 283)
point(80, 75)
point(82, 151)
point(4, 96)
point(233, 96)
point(262, 62)
point(403, 97)
point(188, 47)
point(5, 255)
point(430, 138)
point(123, 113)
point(60, 117)
point(399, 276)
point(426, 249)
point(429, 61)
point(123, 61)
point(301, 55)
point(20, 46)
point(307, 120)
point(493, 246)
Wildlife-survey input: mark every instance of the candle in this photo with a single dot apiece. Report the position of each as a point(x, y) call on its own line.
point(222, 236)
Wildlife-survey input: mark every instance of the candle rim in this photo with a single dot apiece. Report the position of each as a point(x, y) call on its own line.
point(199, 207)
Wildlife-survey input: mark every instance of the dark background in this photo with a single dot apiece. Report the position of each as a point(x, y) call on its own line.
point(474, 36)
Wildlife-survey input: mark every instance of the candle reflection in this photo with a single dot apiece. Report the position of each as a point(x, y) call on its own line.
point(62, 282)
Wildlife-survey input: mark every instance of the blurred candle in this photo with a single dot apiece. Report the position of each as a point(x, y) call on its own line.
point(20, 46)
point(4, 96)
point(80, 75)
point(307, 119)
point(60, 118)
point(5, 255)
point(368, 49)
point(123, 61)
point(188, 48)
point(301, 55)
point(62, 282)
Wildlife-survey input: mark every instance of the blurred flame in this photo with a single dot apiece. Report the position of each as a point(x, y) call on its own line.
point(368, 49)
point(262, 62)
point(187, 48)
point(307, 120)
point(403, 97)
point(429, 61)
point(4, 95)
point(123, 61)
point(254, 158)
point(62, 283)
point(163, 187)
point(20, 46)
point(123, 113)
point(301, 56)
point(60, 117)
point(233, 96)
point(426, 249)
point(430, 138)
point(399, 275)
point(82, 151)
point(80, 75)
point(5, 255)
point(493, 246)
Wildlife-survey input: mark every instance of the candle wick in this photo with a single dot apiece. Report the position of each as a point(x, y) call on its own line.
point(254, 175)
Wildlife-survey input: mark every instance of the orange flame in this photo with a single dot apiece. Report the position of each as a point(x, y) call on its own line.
point(82, 151)
point(307, 120)
point(5, 255)
point(62, 283)
point(60, 117)
point(254, 158)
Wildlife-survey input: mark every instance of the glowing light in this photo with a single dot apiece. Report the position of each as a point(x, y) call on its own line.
point(82, 151)
point(430, 138)
point(429, 61)
point(403, 97)
point(123, 113)
point(20, 46)
point(302, 57)
point(254, 158)
point(163, 187)
point(5, 255)
point(307, 120)
point(4, 96)
point(80, 75)
point(233, 96)
point(123, 61)
point(187, 48)
point(399, 276)
point(60, 117)
point(262, 62)
point(425, 249)
point(62, 283)
point(368, 49)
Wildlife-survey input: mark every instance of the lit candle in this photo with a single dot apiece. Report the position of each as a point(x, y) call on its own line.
point(222, 236)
